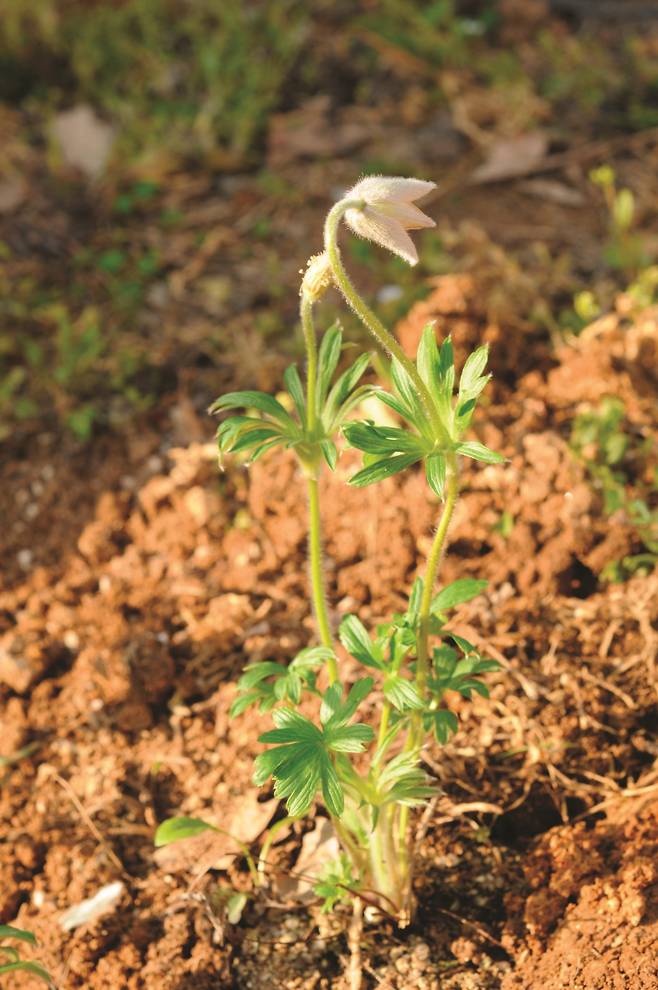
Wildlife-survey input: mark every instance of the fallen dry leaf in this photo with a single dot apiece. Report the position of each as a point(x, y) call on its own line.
point(217, 850)
point(84, 139)
point(309, 132)
point(511, 158)
point(319, 848)
point(12, 193)
point(553, 191)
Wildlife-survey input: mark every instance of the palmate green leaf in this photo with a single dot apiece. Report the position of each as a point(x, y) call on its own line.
point(462, 590)
point(401, 781)
point(336, 712)
point(310, 658)
point(384, 468)
point(478, 451)
point(238, 433)
point(256, 672)
point(253, 400)
point(265, 683)
point(454, 673)
point(349, 738)
point(402, 693)
point(336, 883)
point(354, 637)
point(291, 727)
point(263, 696)
point(301, 761)
point(255, 438)
point(384, 439)
point(443, 723)
point(234, 426)
point(403, 769)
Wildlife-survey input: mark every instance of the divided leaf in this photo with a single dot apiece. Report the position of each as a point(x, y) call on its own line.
point(253, 400)
point(301, 762)
point(402, 693)
point(384, 439)
point(354, 637)
point(443, 724)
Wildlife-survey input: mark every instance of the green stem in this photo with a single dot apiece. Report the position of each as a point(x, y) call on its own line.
point(314, 523)
point(415, 737)
point(431, 571)
point(384, 337)
point(383, 725)
point(317, 576)
point(306, 311)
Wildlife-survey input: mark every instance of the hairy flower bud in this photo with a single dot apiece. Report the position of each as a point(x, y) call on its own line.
point(317, 277)
point(388, 212)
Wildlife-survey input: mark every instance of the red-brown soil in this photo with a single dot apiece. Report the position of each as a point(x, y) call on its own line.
point(122, 636)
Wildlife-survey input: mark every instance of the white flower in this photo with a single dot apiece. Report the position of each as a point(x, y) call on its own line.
point(388, 212)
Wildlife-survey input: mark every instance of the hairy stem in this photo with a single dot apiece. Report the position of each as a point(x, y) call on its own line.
point(317, 577)
point(383, 724)
point(306, 311)
point(318, 594)
point(415, 737)
point(431, 572)
point(384, 337)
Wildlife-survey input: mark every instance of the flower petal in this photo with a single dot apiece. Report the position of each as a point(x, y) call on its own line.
point(375, 189)
point(408, 215)
point(383, 230)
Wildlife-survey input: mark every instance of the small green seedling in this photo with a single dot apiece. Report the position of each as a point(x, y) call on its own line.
point(610, 452)
point(356, 749)
point(10, 958)
point(625, 249)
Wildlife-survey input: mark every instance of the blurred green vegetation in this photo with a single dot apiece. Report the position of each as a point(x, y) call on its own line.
point(622, 466)
point(190, 86)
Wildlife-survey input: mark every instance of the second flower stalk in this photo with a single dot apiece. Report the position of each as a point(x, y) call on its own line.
point(383, 214)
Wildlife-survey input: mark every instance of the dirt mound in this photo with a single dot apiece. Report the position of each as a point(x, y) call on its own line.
point(119, 655)
point(591, 919)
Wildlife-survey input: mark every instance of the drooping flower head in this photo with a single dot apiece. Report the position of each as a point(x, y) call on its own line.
point(388, 212)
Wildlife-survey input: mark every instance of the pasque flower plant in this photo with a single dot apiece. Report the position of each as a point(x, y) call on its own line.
point(361, 756)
